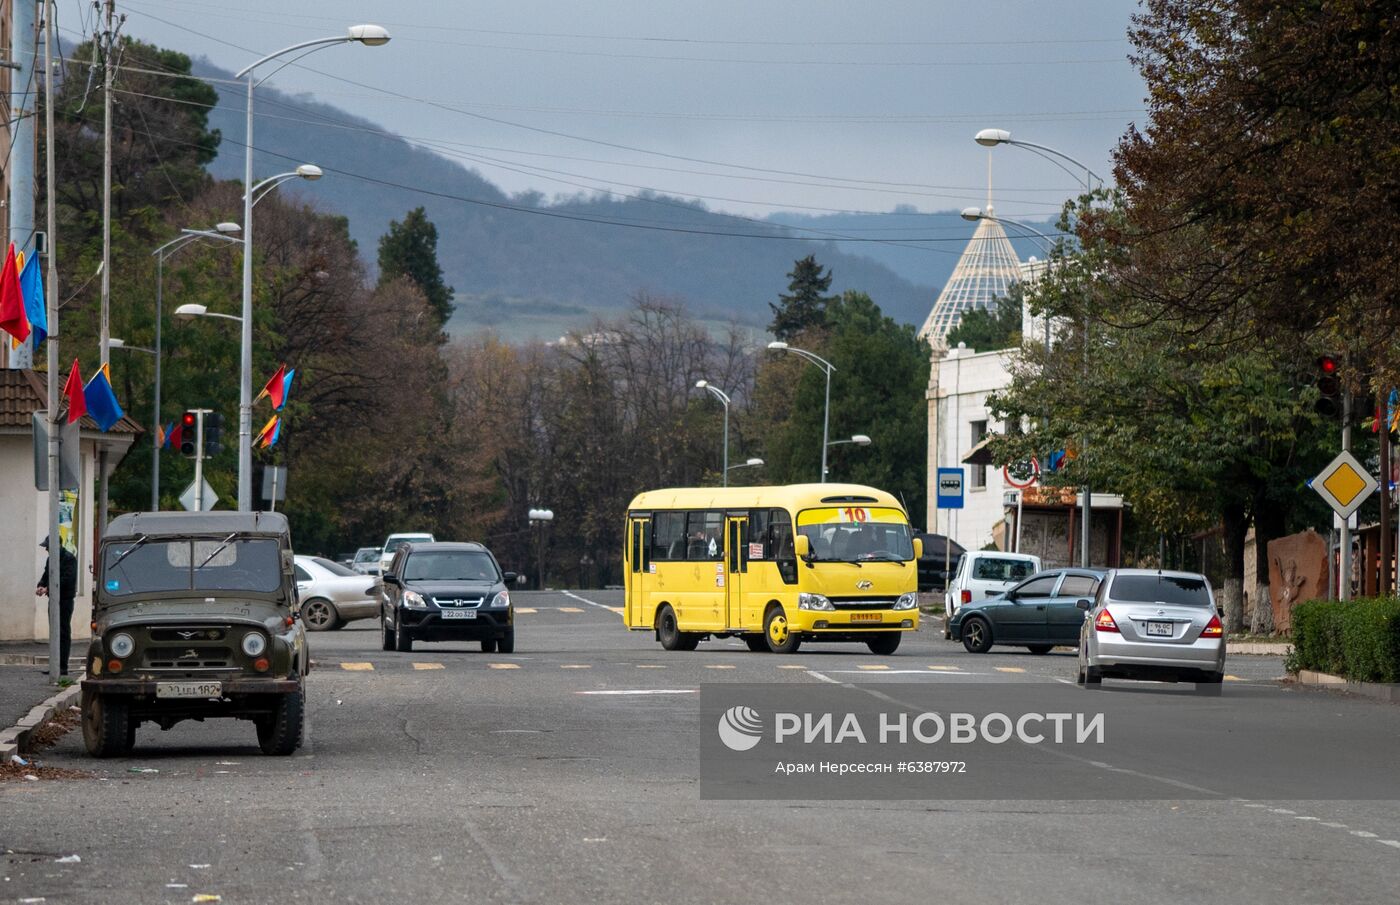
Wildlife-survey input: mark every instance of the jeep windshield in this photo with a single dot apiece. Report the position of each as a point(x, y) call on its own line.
point(857, 534)
point(149, 566)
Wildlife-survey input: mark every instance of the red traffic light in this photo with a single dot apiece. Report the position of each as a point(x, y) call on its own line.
point(188, 419)
point(1327, 364)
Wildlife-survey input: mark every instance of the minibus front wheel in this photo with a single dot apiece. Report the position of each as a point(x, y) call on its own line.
point(781, 639)
point(668, 631)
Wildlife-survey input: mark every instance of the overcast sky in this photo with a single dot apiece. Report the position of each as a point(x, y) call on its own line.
point(750, 105)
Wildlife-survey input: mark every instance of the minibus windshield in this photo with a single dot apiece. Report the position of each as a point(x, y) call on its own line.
point(857, 534)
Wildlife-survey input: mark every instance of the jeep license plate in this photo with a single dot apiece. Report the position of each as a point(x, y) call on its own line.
point(865, 617)
point(459, 614)
point(189, 689)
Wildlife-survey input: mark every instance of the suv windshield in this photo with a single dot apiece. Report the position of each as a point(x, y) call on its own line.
point(450, 565)
point(1175, 589)
point(238, 564)
point(398, 542)
point(368, 554)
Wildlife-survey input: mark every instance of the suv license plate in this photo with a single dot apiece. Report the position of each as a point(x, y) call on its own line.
point(189, 689)
point(459, 614)
point(865, 617)
point(1160, 629)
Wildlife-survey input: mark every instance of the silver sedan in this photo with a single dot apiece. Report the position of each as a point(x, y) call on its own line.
point(1154, 625)
point(332, 595)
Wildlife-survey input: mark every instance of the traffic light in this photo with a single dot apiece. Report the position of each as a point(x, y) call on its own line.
point(189, 431)
point(213, 434)
point(1329, 387)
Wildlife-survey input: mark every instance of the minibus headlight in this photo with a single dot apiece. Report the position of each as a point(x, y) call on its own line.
point(414, 600)
point(121, 645)
point(814, 602)
point(907, 601)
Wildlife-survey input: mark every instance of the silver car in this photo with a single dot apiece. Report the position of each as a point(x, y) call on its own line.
point(1147, 624)
point(332, 595)
point(366, 561)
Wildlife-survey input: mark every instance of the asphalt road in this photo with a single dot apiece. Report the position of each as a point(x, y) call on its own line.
point(568, 772)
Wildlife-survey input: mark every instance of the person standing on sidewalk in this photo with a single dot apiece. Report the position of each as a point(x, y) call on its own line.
point(67, 590)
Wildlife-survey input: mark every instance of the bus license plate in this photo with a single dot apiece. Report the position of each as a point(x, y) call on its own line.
point(1160, 629)
point(865, 617)
point(189, 689)
point(459, 614)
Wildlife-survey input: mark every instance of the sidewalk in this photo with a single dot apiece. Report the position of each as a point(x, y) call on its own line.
point(23, 684)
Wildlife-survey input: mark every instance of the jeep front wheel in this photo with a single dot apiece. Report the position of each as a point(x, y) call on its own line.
point(107, 727)
point(280, 732)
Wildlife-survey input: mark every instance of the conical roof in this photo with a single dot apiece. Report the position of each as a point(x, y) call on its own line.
point(985, 272)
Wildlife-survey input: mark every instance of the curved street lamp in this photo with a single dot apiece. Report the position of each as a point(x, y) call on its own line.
point(752, 463)
point(828, 367)
point(371, 36)
point(196, 310)
point(723, 397)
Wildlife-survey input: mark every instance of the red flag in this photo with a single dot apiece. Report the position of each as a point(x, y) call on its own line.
point(276, 388)
point(13, 319)
point(175, 437)
point(73, 389)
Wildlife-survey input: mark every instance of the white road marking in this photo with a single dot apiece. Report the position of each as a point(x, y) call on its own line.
point(601, 606)
point(505, 665)
point(719, 666)
point(1362, 834)
point(905, 672)
point(816, 675)
point(639, 691)
point(791, 666)
point(1390, 842)
point(1333, 825)
point(575, 666)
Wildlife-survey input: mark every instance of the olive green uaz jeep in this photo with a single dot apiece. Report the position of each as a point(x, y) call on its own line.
point(195, 617)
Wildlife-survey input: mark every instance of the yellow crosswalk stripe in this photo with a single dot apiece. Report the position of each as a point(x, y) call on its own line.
point(1233, 679)
point(873, 666)
point(792, 666)
point(570, 609)
point(1009, 669)
point(505, 665)
point(526, 609)
point(357, 667)
point(575, 666)
point(718, 666)
point(417, 665)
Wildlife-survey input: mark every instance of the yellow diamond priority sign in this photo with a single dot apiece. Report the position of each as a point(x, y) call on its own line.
point(1344, 484)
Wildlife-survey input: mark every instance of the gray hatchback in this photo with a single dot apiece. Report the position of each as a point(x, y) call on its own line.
point(1154, 625)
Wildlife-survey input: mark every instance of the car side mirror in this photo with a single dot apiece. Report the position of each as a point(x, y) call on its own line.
point(802, 545)
point(509, 577)
point(918, 548)
point(390, 578)
point(1084, 603)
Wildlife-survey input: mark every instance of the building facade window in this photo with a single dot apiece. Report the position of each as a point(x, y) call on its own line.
point(977, 479)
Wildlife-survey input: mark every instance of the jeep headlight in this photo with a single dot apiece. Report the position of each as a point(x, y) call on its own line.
point(502, 598)
point(906, 601)
point(814, 602)
point(414, 600)
point(121, 645)
point(254, 643)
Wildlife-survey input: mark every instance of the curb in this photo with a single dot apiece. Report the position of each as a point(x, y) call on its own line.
point(1378, 691)
point(1260, 648)
point(15, 740)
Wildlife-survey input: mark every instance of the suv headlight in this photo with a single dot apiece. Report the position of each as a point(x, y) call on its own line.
point(502, 598)
point(121, 645)
point(814, 602)
point(414, 600)
point(906, 602)
point(254, 643)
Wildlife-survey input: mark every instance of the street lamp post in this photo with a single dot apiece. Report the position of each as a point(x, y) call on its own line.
point(114, 343)
point(990, 138)
point(828, 367)
point(186, 237)
point(723, 397)
point(542, 518)
point(751, 463)
point(369, 35)
point(855, 440)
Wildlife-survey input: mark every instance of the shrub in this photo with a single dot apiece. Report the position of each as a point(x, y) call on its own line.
point(1357, 639)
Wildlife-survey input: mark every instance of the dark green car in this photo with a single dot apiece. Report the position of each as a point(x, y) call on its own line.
point(1039, 613)
point(195, 617)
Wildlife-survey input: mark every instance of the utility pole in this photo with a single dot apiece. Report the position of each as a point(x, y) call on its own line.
point(109, 39)
point(1344, 579)
point(51, 299)
point(22, 143)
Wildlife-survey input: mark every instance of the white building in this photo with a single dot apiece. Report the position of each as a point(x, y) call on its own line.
point(24, 513)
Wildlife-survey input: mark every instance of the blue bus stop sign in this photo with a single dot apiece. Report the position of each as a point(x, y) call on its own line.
point(950, 488)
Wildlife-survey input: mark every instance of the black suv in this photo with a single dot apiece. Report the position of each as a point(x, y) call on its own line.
point(446, 592)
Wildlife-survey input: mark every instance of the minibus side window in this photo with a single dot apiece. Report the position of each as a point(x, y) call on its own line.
point(667, 536)
point(779, 545)
point(704, 532)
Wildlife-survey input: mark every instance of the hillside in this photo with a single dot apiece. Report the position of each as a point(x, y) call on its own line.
point(528, 266)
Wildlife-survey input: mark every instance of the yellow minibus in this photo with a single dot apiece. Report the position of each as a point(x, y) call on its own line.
point(775, 566)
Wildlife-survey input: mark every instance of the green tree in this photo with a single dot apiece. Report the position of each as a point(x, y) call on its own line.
point(804, 307)
point(989, 329)
point(877, 389)
point(409, 249)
